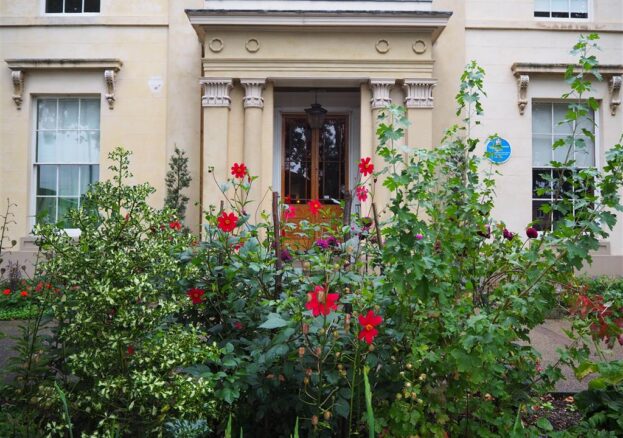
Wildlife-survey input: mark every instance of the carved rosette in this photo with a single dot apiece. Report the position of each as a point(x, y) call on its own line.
point(253, 92)
point(109, 77)
point(522, 90)
point(380, 93)
point(419, 93)
point(17, 76)
point(216, 92)
point(615, 93)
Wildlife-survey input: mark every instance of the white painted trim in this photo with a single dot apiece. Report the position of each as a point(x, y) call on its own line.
point(319, 5)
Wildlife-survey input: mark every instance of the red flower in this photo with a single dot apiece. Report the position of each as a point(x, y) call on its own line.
point(314, 206)
point(362, 193)
point(175, 225)
point(239, 170)
point(39, 287)
point(24, 293)
point(320, 302)
point(195, 295)
point(7, 292)
point(238, 325)
point(507, 234)
point(366, 167)
point(289, 213)
point(130, 350)
point(368, 324)
point(532, 233)
point(227, 222)
point(287, 199)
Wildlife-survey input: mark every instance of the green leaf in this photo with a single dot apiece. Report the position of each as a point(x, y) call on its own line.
point(544, 424)
point(274, 321)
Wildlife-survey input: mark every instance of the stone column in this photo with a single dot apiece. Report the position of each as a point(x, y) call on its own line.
point(419, 103)
point(380, 99)
point(216, 103)
point(252, 149)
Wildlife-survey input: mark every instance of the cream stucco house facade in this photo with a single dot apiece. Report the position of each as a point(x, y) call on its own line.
point(229, 81)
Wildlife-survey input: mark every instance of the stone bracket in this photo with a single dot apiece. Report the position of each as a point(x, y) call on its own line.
point(615, 93)
point(522, 92)
point(380, 93)
point(17, 76)
point(419, 93)
point(109, 77)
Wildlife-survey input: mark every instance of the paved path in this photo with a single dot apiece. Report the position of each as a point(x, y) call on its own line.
point(545, 338)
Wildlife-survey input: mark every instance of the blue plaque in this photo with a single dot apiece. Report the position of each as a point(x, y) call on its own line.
point(498, 150)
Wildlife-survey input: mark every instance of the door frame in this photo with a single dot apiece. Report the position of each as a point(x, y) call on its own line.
point(353, 120)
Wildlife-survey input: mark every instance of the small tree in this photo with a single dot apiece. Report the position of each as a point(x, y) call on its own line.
point(177, 180)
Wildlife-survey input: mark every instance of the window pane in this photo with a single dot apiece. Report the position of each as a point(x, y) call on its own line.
point(562, 154)
point(69, 181)
point(541, 6)
point(585, 156)
point(73, 6)
point(586, 123)
point(68, 113)
point(297, 165)
point(46, 114)
point(46, 147)
point(579, 8)
point(90, 114)
point(88, 175)
point(91, 5)
point(90, 146)
point(46, 180)
point(541, 150)
point(559, 116)
point(543, 220)
point(560, 8)
point(541, 118)
point(64, 205)
point(46, 210)
point(53, 6)
point(541, 180)
point(69, 146)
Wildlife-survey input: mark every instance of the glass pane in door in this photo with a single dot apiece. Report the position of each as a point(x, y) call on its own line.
point(332, 161)
point(297, 171)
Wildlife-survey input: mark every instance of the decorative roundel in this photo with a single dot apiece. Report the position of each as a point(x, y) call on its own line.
point(382, 46)
point(419, 47)
point(252, 45)
point(216, 45)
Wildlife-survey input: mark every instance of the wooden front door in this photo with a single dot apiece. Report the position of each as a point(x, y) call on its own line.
point(315, 165)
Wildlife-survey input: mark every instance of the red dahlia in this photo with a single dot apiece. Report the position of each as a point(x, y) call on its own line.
point(368, 326)
point(239, 170)
point(195, 295)
point(320, 302)
point(362, 193)
point(314, 206)
point(227, 222)
point(366, 167)
point(175, 225)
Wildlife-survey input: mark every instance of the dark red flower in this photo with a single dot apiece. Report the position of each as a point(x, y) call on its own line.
point(175, 225)
point(287, 199)
point(320, 302)
point(238, 325)
point(195, 295)
point(314, 206)
point(366, 167)
point(332, 241)
point(507, 234)
point(285, 256)
point(322, 243)
point(130, 350)
point(239, 170)
point(362, 193)
point(289, 213)
point(7, 292)
point(368, 326)
point(227, 222)
point(532, 233)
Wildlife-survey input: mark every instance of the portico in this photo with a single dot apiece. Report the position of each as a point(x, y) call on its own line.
point(265, 62)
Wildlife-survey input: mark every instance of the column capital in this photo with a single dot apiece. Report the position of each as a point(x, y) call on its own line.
point(216, 92)
point(380, 92)
point(419, 92)
point(253, 92)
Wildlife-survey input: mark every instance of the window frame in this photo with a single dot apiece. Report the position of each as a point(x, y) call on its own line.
point(69, 14)
point(589, 13)
point(596, 146)
point(32, 192)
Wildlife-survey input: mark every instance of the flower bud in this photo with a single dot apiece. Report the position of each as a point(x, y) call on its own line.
point(318, 351)
point(409, 366)
point(321, 331)
point(314, 420)
point(327, 415)
point(422, 377)
point(301, 351)
point(408, 385)
point(399, 396)
point(308, 372)
point(306, 381)
point(305, 328)
point(336, 334)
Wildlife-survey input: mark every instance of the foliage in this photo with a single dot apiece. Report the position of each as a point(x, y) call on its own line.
point(177, 179)
point(117, 350)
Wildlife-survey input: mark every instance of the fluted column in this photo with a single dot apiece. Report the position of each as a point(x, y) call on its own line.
point(381, 98)
point(419, 102)
point(216, 103)
point(253, 119)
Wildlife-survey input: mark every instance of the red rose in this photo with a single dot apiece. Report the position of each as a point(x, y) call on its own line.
point(368, 323)
point(195, 295)
point(314, 206)
point(227, 222)
point(532, 233)
point(239, 170)
point(366, 167)
point(320, 302)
